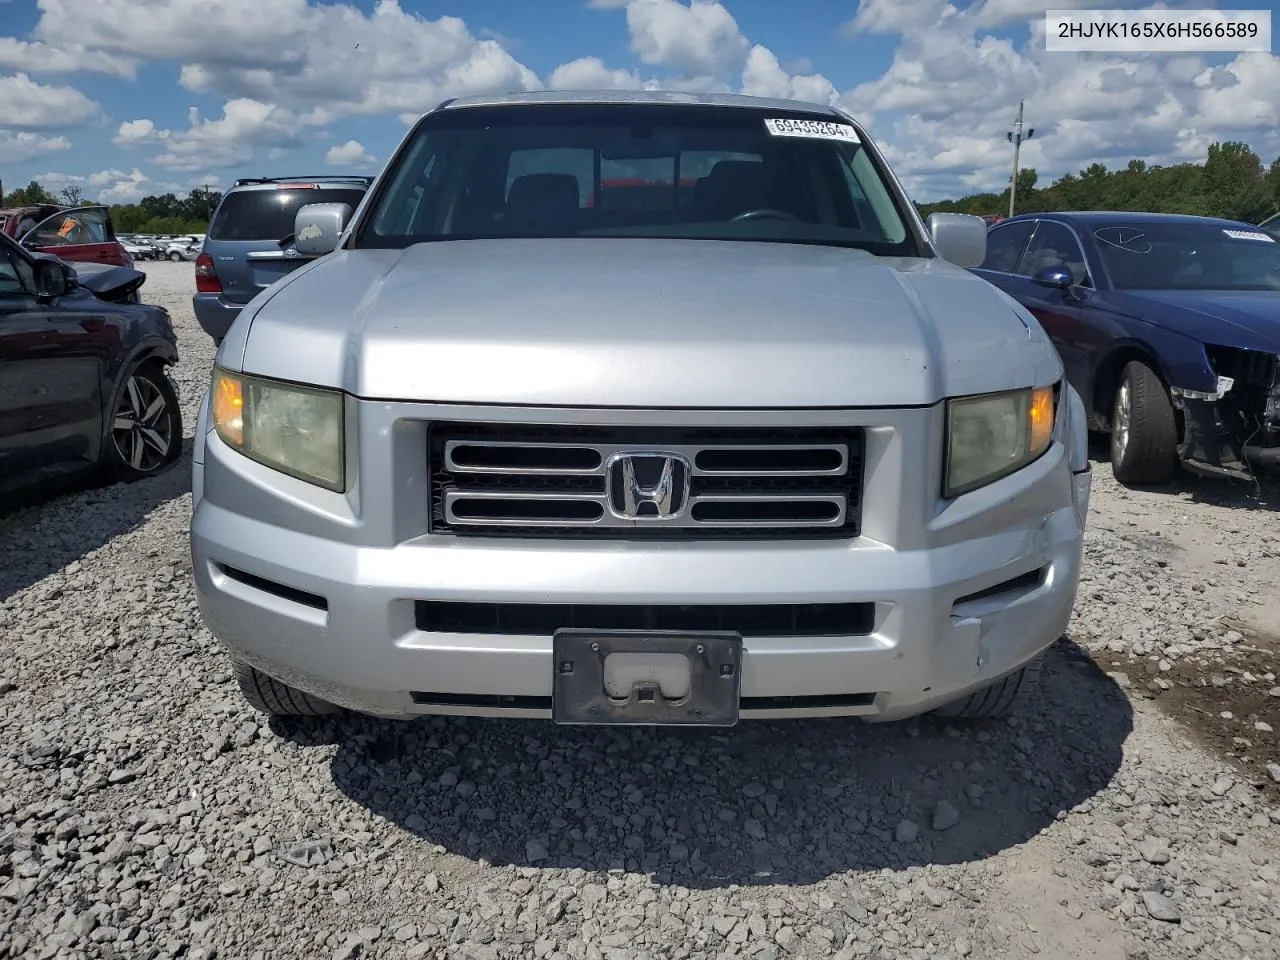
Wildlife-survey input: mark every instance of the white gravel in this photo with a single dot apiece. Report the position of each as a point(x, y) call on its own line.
point(145, 811)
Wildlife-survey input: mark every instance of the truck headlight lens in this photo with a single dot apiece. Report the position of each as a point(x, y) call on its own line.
point(296, 430)
point(991, 436)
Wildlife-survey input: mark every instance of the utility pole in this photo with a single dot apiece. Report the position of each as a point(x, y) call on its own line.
point(208, 207)
point(1015, 137)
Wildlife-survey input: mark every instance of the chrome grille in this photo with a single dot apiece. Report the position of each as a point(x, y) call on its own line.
point(573, 481)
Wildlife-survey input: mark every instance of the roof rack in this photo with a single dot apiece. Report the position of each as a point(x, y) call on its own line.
point(328, 178)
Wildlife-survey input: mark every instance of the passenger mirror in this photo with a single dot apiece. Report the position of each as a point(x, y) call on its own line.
point(959, 238)
point(1057, 277)
point(53, 279)
point(317, 227)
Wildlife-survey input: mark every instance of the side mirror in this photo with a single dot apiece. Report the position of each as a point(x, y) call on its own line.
point(1057, 277)
point(53, 279)
point(959, 238)
point(317, 227)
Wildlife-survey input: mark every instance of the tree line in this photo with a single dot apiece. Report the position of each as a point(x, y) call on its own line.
point(165, 214)
point(1232, 182)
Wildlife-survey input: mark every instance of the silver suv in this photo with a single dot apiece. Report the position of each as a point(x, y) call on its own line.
point(637, 409)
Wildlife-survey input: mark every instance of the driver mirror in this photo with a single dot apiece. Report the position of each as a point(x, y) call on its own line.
point(53, 279)
point(959, 238)
point(318, 227)
point(1057, 277)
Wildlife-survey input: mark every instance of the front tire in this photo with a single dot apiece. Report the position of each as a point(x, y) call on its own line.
point(999, 699)
point(1144, 432)
point(175, 256)
point(145, 434)
point(268, 695)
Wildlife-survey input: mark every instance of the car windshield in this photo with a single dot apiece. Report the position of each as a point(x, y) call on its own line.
point(1188, 256)
point(635, 170)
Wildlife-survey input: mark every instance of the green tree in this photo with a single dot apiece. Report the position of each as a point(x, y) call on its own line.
point(1230, 183)
point(29, 195)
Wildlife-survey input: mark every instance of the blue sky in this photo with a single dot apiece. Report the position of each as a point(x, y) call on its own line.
point(129, 97)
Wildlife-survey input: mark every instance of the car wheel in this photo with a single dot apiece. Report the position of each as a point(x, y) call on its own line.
point(999, 699)
point(268, 695)
point(146, 426)
point(175, 256)
point(1144, 434)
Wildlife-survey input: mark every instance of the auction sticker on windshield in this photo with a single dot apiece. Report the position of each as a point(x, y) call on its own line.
point(814, 129)
point(1250, 235)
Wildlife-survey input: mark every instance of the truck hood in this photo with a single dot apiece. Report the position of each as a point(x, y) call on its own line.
point(642, 323)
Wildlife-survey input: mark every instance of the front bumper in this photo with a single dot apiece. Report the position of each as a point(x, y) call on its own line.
point(284, 581)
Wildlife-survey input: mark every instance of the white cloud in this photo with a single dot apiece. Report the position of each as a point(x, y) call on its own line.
point(132, 132)
point(898, 16)
point(36, 57)
point(350, 154)
point(109, 186)
point(697, 39)
point(230, 139)
point(950, 95)
point(35, 106)
point(117, 186)
point(763, 76)
point(23, 145)
point(1000, 13)
point(590, 73)
point(320, 61)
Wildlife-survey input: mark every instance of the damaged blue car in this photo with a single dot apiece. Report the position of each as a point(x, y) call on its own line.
point(1168, 327)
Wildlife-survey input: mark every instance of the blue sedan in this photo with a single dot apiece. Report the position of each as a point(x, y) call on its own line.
point(1167, 325)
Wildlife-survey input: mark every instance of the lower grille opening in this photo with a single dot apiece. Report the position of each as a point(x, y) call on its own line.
point(315, 601)
point(493, 701)
point(1026, 581)
point(819, 702)
point(544, 619)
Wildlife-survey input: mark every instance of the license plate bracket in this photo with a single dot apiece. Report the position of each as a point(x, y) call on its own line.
point(580, 696)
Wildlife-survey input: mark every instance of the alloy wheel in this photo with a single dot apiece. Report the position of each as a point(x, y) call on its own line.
point(142, 430)
point(1120, 429)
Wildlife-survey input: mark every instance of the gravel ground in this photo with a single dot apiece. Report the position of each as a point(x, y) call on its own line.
point(145, 811)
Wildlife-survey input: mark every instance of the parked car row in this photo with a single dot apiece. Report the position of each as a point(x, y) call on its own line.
point(162, 248)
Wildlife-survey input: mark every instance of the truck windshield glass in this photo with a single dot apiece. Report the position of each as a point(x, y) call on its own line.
point(635, 170)
point(1188, 256)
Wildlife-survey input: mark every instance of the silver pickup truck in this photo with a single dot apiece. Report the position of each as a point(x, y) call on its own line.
point(641, 408)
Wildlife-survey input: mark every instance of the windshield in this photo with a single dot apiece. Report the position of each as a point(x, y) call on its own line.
point(1189, 256)
point(635, 170)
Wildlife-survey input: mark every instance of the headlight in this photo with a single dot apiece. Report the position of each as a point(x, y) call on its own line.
point(991, 436)
point(296, 430)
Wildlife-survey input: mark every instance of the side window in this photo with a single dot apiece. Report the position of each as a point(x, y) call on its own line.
point(72, 227)
point(1004, 246)
point(12, 273)
point(1054, 246)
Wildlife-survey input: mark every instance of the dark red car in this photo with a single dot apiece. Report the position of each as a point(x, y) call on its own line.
point(80, 234)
